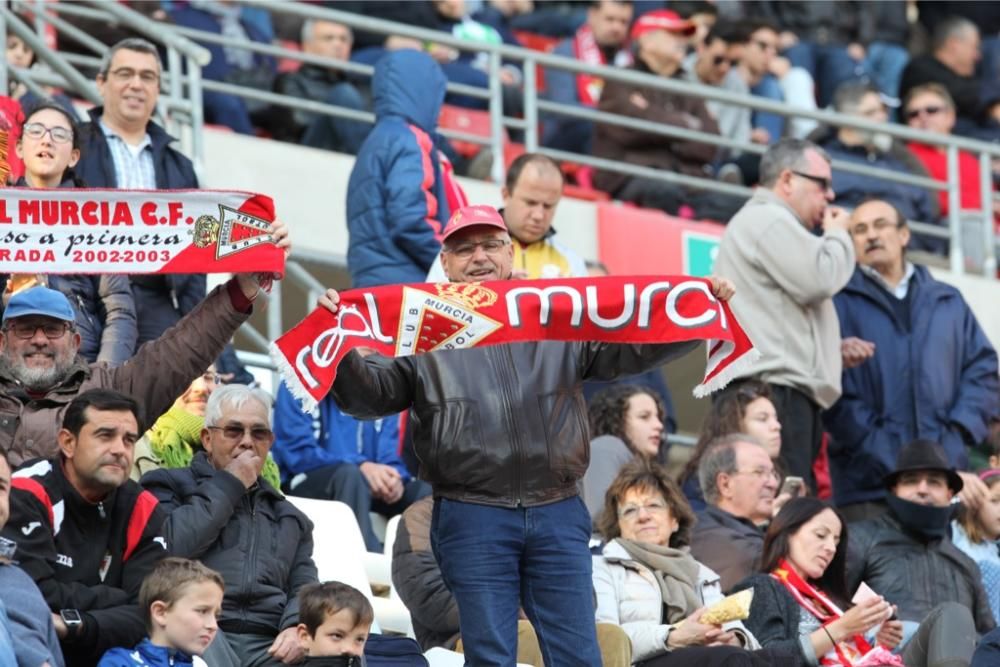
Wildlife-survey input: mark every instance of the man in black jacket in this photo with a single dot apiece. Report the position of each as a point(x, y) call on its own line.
point(501, 434)
point(85, 532)
point(320, 83)
point(907, 555)
point(222, 512)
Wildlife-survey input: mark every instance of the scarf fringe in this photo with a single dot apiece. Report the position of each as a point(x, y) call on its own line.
point(290, 378)
point(735, 369)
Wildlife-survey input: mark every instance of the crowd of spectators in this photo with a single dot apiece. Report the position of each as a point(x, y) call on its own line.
point(125, 455)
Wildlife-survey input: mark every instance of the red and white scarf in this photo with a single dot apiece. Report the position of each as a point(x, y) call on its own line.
point(399, 320)
point(136, 231)
point(813, 600)
point(587, 50)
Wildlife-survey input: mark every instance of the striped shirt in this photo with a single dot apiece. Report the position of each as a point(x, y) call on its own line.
point(134, 169)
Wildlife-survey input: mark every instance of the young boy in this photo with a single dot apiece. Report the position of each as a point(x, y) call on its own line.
point(180, 600)
point(334, 620)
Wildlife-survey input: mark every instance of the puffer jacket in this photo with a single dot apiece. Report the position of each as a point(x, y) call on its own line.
point(417, 578)
point(396, 202)
point(146, 654)
point(258, 541)
point(502, 425)
point(934, 376)
point(629, 596)
point(155, 377)
point(642, 148)
point(914, 574)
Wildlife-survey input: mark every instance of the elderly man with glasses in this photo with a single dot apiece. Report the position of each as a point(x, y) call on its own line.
point(787, 276)
point(224, 513)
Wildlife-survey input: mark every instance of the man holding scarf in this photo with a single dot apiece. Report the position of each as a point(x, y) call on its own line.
point(602, 40)
point(907, 555)
point(501, 434)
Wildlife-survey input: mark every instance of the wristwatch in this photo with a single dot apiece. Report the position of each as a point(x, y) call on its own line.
point(72, 619)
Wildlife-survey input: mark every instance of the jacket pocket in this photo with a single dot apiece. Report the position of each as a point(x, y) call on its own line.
point(567, 436)
point(450, 446)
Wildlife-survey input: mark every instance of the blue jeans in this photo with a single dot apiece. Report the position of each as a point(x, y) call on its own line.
point(339, 134)
point(886, 61)
point(228, 110)
point(770, 89)
point(829, 65)
point(494, 559)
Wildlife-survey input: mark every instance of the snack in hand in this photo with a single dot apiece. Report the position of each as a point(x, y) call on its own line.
point(735, 607)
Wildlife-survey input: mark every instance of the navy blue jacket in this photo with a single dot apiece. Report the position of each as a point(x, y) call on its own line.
point(326, 436)
point(933, 377)
point(396, 204)
point(96, 168)
point(146, 654)
point(218, 68)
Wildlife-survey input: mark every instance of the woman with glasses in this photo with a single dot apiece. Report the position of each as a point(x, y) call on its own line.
point(105, 310)
point(648, 583)
point(743, 407)
point(801, 602)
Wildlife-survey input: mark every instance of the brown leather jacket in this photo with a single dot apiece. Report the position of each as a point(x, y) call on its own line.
point(159, 373)
point(643, 148)
point(503, 425)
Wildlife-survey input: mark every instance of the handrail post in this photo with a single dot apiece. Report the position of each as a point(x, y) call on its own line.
point(496, 118)
point(530, 106)
point(197, 117)
point(175, 92)
point(957, 256)
point(989, 237)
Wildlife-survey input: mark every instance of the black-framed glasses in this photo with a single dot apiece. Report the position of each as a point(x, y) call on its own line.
point(60, 135)
point(932, 110)
point(719, 60)
point(235, 433)
point(825, 183)
point(26, 330)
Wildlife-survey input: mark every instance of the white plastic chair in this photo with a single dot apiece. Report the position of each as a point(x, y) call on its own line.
point(340, 555)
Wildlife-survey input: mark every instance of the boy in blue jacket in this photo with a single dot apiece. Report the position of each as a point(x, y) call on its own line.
point(328, 455)
point(180, 600)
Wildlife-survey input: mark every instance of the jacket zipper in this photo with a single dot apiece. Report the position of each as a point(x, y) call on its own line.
point(502, 374)
point(247, 570)
point(83, 309)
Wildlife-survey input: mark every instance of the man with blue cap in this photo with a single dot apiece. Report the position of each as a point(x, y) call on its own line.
point(40, 371)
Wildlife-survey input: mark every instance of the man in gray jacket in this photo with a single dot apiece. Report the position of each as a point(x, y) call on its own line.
point(787, 277)
point(501, 434)
point(222, 512)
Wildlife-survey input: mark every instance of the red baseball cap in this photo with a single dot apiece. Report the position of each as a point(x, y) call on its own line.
point(473, 216)
point(662, 19)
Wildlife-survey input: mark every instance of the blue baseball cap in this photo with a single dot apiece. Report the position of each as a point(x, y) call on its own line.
point(39, 301)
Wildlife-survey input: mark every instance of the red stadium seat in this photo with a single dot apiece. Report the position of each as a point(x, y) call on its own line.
point(288, 64)
point(469, 121)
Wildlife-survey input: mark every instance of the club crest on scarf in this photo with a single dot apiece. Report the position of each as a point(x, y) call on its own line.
point(447, 321)
point(230, 234)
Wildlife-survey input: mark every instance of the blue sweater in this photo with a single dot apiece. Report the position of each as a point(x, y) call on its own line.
point(326, 436)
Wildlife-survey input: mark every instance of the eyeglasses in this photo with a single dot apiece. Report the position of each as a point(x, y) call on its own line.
point(879, 225)
point(761, 473)
point(467, 250)
point(26, 330)
point(719, 60)
point(630, 512)
point(236, 432)
point(824, 183)
point(929, 111)
point(126, 74)
point(60, 135)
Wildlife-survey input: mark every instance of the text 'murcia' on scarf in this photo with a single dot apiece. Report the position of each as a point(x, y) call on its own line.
point(400, 320)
